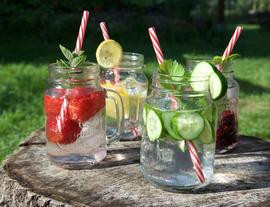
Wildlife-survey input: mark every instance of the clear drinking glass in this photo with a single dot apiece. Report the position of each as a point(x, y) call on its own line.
point(169, 162)
point(74, 105)
point(129, 81)
point(227, 131)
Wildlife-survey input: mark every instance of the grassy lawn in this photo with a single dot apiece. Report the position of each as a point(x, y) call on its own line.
point(23, 75)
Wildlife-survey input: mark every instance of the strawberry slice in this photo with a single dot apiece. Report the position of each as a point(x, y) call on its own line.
point(53, 100)
point(61, 131)
point(84, 103)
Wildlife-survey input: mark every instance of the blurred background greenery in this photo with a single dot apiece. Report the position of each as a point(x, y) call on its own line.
point(30, 31)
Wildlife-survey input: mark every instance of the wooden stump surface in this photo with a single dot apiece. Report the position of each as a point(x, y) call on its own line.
point(28, 178)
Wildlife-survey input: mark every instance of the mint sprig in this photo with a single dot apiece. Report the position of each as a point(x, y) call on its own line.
point(217, 60)
point(172, 68)
point(72, 59)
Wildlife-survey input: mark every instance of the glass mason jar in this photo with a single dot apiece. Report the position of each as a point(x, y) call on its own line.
point(227, 131)
point(182, 157)
point(74, 106)
point(129, 81)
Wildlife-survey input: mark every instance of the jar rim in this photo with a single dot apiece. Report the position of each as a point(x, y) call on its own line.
point(89, 67)
point(180, 85)
point(131, 61)
point(183, 77)
point(227, 66)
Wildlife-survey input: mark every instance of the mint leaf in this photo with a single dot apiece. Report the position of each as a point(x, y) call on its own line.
point(62, 63)
point(217, 60)
point(66, 53)
point(172, 68)
point(232, 57)
point(78, 60)
point(80, 53)
point(163, 68)
point(73, 59)
point(176, 69)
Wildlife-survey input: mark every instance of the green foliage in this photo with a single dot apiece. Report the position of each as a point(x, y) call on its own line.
point(21, 103)
point(172, 68)
point(55, 19)
point(73, 59)
point(243, 6)
point(217, 60)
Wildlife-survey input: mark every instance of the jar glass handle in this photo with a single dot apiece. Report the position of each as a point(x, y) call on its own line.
point(119, 111)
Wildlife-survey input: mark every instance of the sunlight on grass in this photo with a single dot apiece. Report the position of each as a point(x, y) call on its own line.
point(21, 98)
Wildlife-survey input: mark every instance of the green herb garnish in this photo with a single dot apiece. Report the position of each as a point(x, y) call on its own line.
point(73, 59)
point(217, 60)
point(172, 68)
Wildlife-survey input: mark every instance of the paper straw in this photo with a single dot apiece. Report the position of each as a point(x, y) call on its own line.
point(156, 44)
point(160, 57)
point(191, 147)
point(232, 42)
point(196, 161)
point(106, 36)
point(82, 31)
point(104, 30)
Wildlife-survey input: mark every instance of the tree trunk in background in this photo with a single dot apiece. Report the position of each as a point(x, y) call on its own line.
point(221, 8)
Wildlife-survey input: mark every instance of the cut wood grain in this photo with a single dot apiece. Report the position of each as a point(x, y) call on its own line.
point(28, 178)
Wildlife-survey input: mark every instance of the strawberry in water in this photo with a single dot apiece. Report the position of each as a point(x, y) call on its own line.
point(60, 131)
point(53, 100)
point(84, 103)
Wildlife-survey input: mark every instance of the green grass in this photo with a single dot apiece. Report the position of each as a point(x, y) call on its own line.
point(23, 75)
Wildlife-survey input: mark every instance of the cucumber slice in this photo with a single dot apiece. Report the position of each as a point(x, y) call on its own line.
point(182, 145)
point(208, 113)
point(145, 111)
point(218, 85)
point(188, 125)
point(207, 135)
point(167, 120)
point(217, 82)
point(202, 69)
point(154, 125)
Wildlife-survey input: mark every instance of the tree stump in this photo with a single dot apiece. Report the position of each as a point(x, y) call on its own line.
point(28, 178)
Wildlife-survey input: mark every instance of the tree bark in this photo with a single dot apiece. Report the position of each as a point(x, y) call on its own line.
point(28, 178)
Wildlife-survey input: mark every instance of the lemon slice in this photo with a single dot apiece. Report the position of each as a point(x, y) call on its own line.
point(109, 54)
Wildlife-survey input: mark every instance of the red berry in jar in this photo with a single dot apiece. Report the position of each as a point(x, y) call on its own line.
point(84, 103)
point(62, 131)
point(53, 100)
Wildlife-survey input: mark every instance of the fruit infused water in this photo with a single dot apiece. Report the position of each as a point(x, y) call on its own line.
point(180, 121)
point(74, 106)
point(178, 146)
point(123, 74)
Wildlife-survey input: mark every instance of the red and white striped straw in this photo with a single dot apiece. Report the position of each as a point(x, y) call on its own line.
point(232, 42)
point(106, 36)
point(82, 31)
point(191, 147)
point(104, 30)
point(156, 45)
point(195, 160)
point(159, 55)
